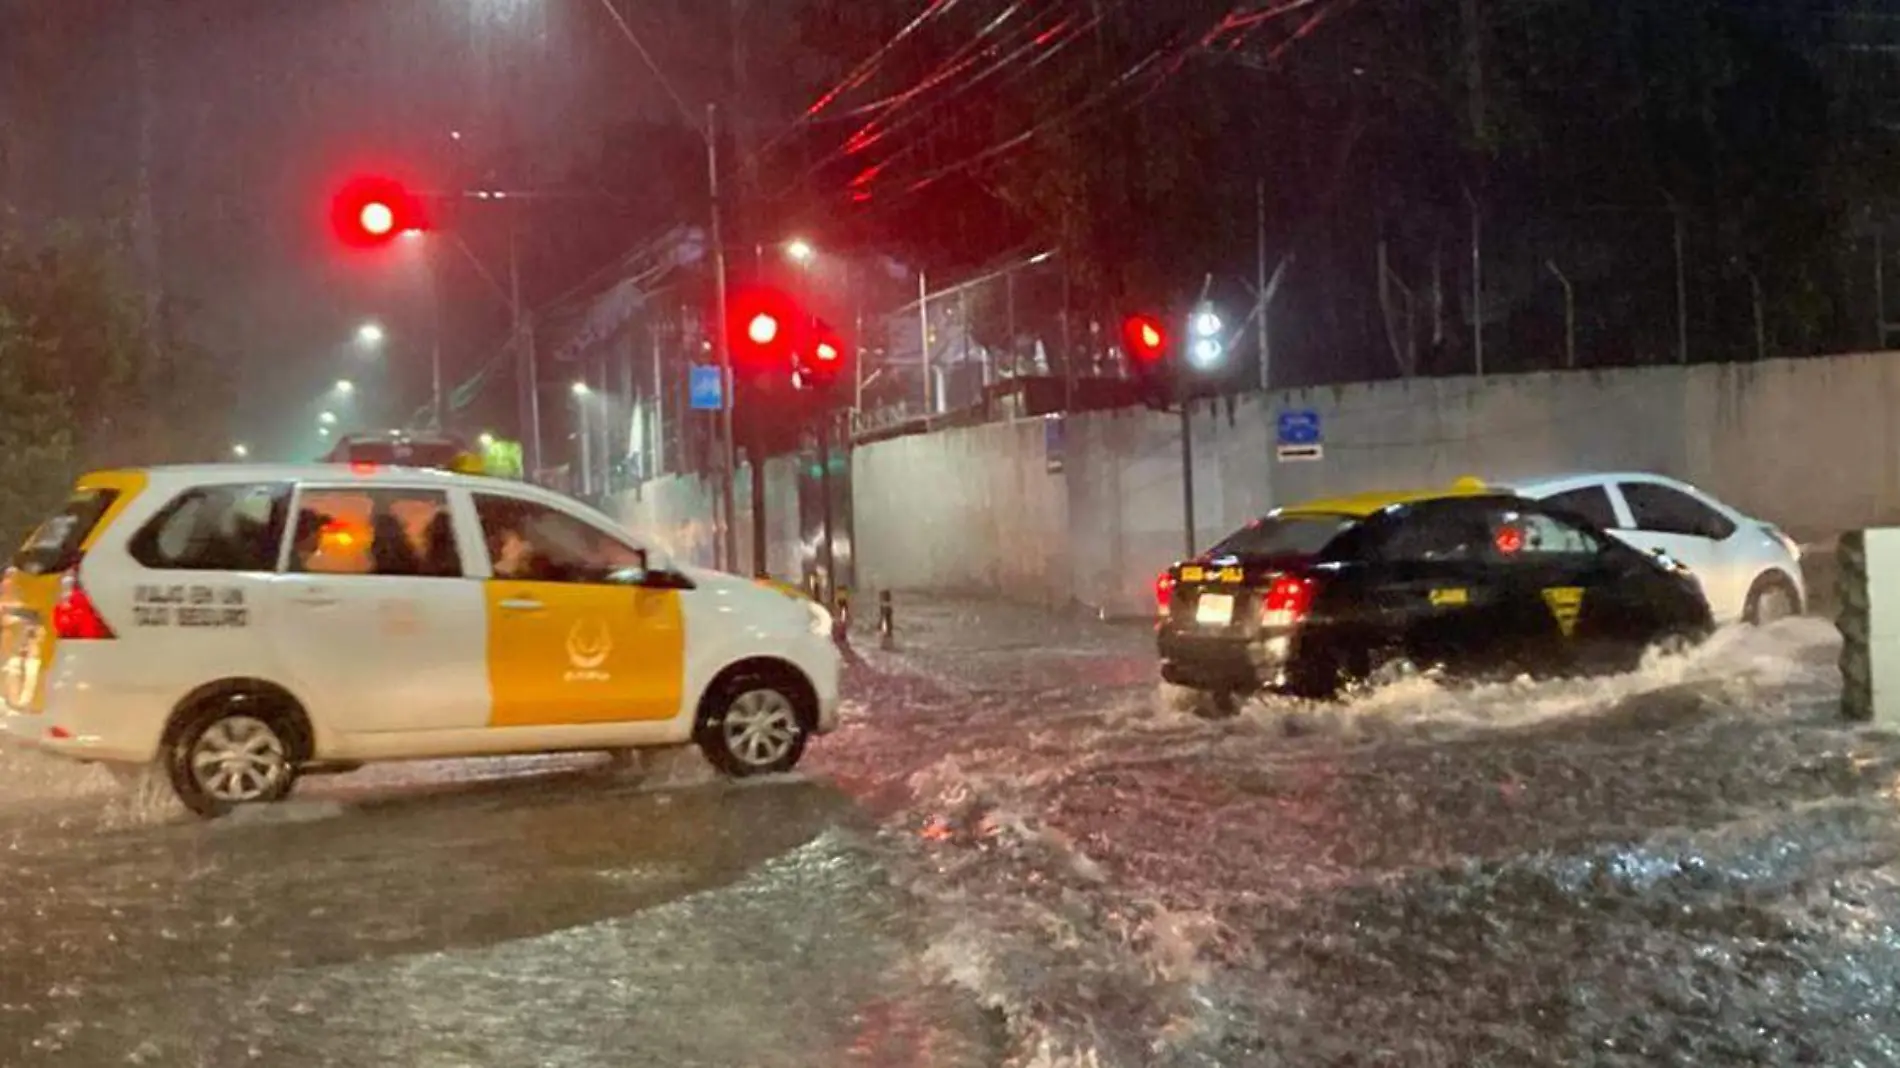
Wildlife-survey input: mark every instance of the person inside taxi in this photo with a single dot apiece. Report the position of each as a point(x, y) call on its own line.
point(513, 555)
point(529, 543)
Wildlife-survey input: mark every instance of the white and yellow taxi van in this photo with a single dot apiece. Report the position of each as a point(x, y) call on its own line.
point(242, 624)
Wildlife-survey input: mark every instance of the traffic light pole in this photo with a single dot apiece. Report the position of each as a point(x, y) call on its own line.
point(829, 560)
point(729, 534)
point(432, 266)
point(1187, 457)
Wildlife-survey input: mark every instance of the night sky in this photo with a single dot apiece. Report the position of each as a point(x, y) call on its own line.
point(261, 110)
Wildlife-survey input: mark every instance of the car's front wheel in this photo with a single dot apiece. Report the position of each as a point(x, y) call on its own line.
point(1771, 598)
point(755, 727)
point(223, 758)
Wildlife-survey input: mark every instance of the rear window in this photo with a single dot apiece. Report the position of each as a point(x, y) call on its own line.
point(1591, 503)
point(1303, 535)
point(54, 546)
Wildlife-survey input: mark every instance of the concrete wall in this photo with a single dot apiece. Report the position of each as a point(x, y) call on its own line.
point(1810, 444)
point(973, 510)
point(677, 513)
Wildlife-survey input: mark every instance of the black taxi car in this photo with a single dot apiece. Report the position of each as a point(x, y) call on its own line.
point(1465, 579)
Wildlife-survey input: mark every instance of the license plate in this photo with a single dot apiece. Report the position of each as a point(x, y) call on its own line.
point(1214, 609)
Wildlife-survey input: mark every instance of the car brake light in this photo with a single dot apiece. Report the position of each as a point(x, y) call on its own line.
point(1164, 593)
point(1287, 601)
point(362, 467)
point(74, 617)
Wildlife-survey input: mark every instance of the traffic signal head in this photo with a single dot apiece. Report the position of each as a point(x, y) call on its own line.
point(370, 212)
point(763, 331)
point(821, 362)
point(1146, 339)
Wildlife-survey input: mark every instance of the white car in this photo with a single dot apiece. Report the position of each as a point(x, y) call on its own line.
point(241, 624)
point(1748, 569)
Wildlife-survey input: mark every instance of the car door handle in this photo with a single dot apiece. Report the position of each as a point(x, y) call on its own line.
point(315, 600)
point(522, 604)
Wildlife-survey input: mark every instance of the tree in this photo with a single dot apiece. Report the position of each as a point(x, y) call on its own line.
point(80, 387)
point(1570, 132)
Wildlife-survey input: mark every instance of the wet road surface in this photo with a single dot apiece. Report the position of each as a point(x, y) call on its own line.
point(542, 915)
point(1019, 850)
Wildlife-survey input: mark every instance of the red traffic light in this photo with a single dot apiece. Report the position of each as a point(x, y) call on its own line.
point(1145, 338)
point(369, 212)
point(762, 328)
point(377, 219)
point(819, 366)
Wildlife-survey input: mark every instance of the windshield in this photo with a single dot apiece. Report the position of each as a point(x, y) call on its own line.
point(1303, 535)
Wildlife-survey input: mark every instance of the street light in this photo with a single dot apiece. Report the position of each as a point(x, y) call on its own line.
point(800, 250)
point(581, 389)
point(344, 387)
point(323, 431)
point(369, 335)
point(326, 419)
point(486, 440)
point(240, 450)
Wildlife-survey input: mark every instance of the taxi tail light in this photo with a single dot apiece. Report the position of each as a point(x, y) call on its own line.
point(1164, 593)
point(74, 616)
point(1287, 602)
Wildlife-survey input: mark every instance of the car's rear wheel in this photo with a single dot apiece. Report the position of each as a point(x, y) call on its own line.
point(754, 727)
point(1771, 598)
point(1217, 704)
point(227, 756)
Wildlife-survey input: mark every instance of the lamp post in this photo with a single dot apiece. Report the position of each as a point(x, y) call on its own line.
point(583, 393)
point(1206, 350)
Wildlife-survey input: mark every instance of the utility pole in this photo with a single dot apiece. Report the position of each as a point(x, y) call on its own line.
point(527, 364)
point(1682, 288)
point(755, 461)
point(658, 436)
point(923, 337)
point(729, 535)
point(829, 560)
point(853, 282)
point(1187, 455)
point(1570, 316)
point(1477, 286)
point(1260, 284)
point(432, 268)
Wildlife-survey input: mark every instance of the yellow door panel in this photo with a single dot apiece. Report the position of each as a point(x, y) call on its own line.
point(563, 653)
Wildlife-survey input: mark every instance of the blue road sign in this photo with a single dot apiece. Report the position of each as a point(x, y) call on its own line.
point(703, 392)
point(1299, 427)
